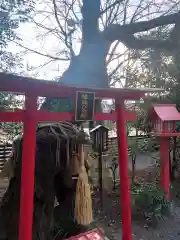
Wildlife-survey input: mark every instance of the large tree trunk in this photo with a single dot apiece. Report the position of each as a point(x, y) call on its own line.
point(88, 69)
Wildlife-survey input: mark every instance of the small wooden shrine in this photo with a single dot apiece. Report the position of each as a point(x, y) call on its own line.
point(163, 119)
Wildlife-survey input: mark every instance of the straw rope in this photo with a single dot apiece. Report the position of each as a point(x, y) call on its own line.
point(83, 200)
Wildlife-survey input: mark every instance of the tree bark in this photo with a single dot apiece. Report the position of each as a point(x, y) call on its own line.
point(89, 67)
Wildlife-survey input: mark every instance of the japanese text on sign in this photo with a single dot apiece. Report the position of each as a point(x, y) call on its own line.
point(84, 106)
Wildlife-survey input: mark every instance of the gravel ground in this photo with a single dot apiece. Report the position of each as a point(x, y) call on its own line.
point(110, 221)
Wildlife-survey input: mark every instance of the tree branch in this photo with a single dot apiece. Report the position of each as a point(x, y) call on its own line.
point(39, 53)
point(116, 69)
point(111, 6)
point(117, 32)
point(112, 52)
point(59, 24)
point(133, 42)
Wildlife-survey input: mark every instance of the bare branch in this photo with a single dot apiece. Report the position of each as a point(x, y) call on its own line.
point(125, 33)
point(71, 8)
point(135, 43)
point(39, 53)
point(114, 13)
point(111, 6)
point(53, 31)
point(157, 22)
point(136, 11)
point(57, 20)
point(115, 70)
point(117, 32)
point(112, 52)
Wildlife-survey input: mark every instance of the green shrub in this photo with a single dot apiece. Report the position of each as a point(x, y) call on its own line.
point(149, 201)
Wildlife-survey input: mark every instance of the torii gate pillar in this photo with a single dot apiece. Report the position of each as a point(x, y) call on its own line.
point(123, 172)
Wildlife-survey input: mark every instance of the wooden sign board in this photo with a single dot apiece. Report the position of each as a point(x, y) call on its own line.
point(94, 234)
point(84, 109)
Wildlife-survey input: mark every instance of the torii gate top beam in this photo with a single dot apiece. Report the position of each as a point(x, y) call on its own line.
point(23, 85)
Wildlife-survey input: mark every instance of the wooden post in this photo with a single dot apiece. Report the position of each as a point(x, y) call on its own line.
point(4, 154)
point(100, 176)
point(28, 167)
point(123, 172)
point(164, 161)
point(173, 160)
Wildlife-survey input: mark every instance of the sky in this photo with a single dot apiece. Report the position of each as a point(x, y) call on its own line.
point(48, 45)
point(35, 60)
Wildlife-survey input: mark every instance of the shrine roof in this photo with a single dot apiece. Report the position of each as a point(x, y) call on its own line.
point(97, 127)
point(21, 85)
point(167, 112)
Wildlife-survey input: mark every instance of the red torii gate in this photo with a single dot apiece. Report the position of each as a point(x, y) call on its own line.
point(32, 88)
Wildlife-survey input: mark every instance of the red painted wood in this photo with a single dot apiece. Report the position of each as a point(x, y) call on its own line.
point(17, 84)
point(45, 116)
point(163, 127)
point(164, 134)
point(28, 167)
point(164, 161)
point(123, 172)
point(129, 116)
point(165, 112)
point(94, 234)
point(12, 116)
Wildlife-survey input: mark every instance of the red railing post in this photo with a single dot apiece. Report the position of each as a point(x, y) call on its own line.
point(28, 167)
point(164, 166)
point(123, 172)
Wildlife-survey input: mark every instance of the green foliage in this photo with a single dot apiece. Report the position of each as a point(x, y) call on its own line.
point(12, 13)
point(67, 227)
point(8, 102)
point(157, 69)
point(11, 130)
point(141, 144)
point(58, 105)
point(10, 62)
point(113, 167)
point(149, 200)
